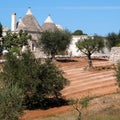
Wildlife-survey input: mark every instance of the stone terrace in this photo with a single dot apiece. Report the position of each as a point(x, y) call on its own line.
point(85, 82)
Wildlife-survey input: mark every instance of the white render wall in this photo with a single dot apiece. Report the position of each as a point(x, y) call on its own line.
point(72, 48)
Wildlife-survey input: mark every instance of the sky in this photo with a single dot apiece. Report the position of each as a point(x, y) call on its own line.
point(91, 16)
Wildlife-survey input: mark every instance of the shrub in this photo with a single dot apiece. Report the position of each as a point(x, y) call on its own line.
point(38, 81)
point(10, 103)
point(118, 74)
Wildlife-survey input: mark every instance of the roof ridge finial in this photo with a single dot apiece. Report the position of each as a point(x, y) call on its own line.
point(29, 11)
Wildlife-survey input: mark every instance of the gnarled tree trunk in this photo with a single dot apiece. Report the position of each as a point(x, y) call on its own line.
point(90, 65)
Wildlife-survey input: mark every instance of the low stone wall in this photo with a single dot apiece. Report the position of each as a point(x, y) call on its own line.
point(115, 55)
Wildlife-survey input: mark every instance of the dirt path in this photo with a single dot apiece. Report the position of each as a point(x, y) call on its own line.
point(32, 114)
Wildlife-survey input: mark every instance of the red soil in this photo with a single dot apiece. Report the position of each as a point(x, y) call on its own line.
point(82, 83)
point(32, 114)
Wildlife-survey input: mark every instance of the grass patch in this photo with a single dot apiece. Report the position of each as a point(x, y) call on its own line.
point(105, 117)
point(72, 115)
point(96, 110)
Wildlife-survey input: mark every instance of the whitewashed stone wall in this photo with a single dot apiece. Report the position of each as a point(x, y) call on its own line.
point(115, 55)
point(72, 48)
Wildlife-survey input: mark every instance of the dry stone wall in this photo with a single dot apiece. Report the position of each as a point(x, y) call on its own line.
point(115, 55)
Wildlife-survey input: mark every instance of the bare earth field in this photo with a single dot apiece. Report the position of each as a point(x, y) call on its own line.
point(98, 82)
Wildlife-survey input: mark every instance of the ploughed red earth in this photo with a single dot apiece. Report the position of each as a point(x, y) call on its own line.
point(96, 82)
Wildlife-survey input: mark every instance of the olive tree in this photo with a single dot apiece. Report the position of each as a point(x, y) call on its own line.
point(15, 41)
point(78, 32)
point(113, 39)
point(11, 107)
point(80, 104)
point(89, 46)
point(54, 42)
point(39, 81)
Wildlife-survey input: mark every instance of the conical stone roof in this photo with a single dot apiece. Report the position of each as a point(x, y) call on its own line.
point(59, 27)
point(21, 25)
point(29, 23)
point(49, 25)
point(48, 20)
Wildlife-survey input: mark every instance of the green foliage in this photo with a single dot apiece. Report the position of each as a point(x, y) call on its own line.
point(55, 42)
point(84, 102)
point(113, 40)
point(79, 104)
point(118, 45)
point(70, 115)
point(1, 30)
point(52, 80)
point(38, 81)
point(78, 32)
point(10, 68)
point(89, 46)
point(10, 102)
point(15, 41)
point(21, 71)
point(118, 73)
point(1, 39)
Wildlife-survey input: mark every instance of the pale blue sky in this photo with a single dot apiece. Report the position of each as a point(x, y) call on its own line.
point(91, 16)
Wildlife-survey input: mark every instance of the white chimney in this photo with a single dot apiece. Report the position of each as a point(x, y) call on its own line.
point(13, 22)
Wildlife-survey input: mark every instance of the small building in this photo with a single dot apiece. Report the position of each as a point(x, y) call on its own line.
point(31, 25)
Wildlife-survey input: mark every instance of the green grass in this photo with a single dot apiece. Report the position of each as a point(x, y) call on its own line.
point(101, 108)
point(110, 114)
point(106, 117)
point(73, 116)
